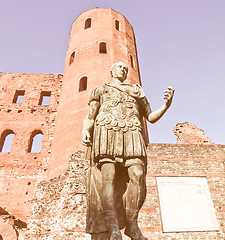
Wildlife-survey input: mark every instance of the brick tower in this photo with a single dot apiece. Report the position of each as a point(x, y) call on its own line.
point(98, 38)
point(54, 106)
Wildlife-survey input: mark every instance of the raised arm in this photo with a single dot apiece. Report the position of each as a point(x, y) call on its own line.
point(153, 117)
point(88, 124)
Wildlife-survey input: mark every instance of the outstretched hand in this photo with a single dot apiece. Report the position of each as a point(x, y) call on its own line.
point(168, 95)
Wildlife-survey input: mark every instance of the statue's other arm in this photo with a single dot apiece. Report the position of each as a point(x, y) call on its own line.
point(88, 124)
point(153, 117)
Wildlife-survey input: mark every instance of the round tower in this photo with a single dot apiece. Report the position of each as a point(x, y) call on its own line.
point(98, 38)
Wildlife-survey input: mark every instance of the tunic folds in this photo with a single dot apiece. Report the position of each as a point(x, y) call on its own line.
point(118, 125)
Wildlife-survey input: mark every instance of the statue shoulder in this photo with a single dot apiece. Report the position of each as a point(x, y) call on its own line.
point(139, 90)
point(136, 85)
point(95, 95)
point(97, 92)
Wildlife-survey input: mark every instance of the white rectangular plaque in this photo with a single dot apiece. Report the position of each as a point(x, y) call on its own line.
point(186, 204)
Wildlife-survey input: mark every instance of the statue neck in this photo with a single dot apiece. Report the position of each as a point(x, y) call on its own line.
point(117, 81)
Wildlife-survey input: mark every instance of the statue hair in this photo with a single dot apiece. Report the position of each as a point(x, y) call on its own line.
point(114, 65)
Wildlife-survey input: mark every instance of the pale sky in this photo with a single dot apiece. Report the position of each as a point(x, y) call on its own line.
point(179, 42)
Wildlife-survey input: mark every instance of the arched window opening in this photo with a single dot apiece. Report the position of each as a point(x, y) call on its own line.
point(87, 23)
point(117, 25)
point(6, 141)
point(132, 61)
point(102, 47)
point(83, 84)
point(35, 142)
point(72, 56)
point(18, 97)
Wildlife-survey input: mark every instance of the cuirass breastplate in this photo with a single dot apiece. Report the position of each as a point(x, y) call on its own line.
point(118, 110)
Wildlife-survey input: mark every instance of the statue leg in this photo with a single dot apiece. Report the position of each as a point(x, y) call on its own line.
point(134, 199)
point(100, 236)
point(108, 180)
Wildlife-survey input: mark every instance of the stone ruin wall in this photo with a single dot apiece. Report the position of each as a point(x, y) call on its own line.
point(35, 209)
point(20, 171)
point(31, 208)
point(188, 133)
point(58, 209)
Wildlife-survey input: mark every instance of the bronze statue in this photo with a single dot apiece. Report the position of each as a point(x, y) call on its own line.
point(113, 133)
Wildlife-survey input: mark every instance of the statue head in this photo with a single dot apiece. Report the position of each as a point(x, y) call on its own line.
point(119, 71)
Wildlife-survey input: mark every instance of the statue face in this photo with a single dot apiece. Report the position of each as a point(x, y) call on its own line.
point(120, 71)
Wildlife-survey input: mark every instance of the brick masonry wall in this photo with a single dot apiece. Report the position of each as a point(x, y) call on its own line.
point(20, 170)
point(58, 209)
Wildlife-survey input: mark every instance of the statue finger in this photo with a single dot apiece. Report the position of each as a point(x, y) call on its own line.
point(84, 143)
point(166, 98)
point(167, 95)
point(87, 143)
point(171, 89)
